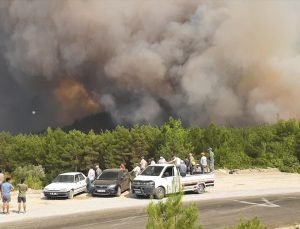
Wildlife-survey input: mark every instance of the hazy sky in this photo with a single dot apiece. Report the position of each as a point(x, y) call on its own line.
point(228, 62)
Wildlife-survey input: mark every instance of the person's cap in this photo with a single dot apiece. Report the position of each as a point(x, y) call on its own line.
point(209, 149)
point(97, 166)
point(161, 157)
point(190, 154)
point(202, 153)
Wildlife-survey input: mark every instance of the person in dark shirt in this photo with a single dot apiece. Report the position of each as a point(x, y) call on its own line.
point(22, 195)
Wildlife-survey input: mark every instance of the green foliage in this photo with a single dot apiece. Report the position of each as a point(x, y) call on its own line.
point(171, 214)
point(249, 224)
point(33, 175)
point(57, 151)
point(175, 140)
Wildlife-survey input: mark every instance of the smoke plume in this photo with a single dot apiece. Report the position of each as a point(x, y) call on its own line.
point(228, 62)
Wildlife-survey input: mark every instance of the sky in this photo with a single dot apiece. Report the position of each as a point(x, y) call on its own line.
point(234, 63)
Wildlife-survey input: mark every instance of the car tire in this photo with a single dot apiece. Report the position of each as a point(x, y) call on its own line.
point(118, 191)
point(71, 194)
point(200, 188)
point(159, 193)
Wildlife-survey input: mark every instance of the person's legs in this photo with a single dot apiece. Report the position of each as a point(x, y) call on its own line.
point(24, 204)
point(19, 204)
point(3, 206)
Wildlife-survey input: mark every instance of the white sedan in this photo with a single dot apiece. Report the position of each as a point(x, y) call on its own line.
point(66, 185)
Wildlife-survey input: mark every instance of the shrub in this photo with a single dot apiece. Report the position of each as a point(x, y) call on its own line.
point(249, 224)
point(33, 175)
point(170, 214)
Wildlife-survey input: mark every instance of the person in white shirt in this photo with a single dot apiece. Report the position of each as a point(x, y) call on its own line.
point(143, 164)
point(161, 160)
point(203, 162)
point(91, 177)
point(136, 170)
point(152, 161)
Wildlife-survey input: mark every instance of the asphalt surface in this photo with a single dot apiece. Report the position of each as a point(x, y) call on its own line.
point(273, 210)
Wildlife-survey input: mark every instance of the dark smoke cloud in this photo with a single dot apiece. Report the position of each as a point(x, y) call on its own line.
point(230, 62)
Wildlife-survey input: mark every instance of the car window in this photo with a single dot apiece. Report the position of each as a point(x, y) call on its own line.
point(76, 178)
point(109, 175)
point(152, 171)
point(168, 172)
point(81, 177)
point(64, 179)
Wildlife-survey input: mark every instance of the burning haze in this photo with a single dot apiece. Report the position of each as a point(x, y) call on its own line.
point(228, 62)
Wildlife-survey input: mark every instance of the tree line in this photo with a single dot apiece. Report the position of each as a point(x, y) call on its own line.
point(56, 151)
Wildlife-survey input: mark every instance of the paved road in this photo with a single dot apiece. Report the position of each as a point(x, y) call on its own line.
point(273, 211)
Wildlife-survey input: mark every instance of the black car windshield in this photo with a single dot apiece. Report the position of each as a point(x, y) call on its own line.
point(109, 175)
point(152, 171)
point(64, 179)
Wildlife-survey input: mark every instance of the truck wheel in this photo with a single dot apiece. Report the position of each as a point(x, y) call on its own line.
point(200, 189)
point(71, 194)
point(159, 193)
point(118, 191)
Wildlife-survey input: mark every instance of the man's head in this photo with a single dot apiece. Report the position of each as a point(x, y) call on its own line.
point(202, 153)
point(97, 166)
point(7, 179)
point(209, 149)
point(22, 180)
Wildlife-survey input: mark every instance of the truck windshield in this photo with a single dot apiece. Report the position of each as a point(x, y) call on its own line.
point(152, 171)
point(108, 176)
point(64, 179)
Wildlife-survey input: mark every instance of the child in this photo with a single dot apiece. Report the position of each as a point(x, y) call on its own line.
point(6, 188)
point(22, 195)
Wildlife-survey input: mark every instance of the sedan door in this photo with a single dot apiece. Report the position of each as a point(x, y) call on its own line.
point(82, 181)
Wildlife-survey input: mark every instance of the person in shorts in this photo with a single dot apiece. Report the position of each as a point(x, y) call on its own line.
point(6, 188)
point(22, 195)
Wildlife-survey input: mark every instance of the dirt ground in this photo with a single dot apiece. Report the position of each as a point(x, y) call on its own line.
point(240, 183)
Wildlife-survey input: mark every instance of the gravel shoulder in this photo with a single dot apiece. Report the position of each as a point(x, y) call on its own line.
point(239, 184)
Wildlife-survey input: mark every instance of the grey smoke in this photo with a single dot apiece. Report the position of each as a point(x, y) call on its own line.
point(229, 62)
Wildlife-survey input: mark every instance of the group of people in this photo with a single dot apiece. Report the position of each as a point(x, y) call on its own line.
point(6, 187)
point(189, 165)
point(93, 173)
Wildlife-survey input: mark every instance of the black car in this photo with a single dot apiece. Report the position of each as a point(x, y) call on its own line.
point(111, 182)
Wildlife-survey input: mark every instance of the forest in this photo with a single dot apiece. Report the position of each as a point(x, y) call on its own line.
point(42, 156)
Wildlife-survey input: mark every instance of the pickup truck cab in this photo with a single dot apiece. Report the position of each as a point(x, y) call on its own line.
point(162, 179)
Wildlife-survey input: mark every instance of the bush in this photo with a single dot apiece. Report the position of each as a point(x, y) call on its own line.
point(249, 224)
point(33, 175)
point(170, 214)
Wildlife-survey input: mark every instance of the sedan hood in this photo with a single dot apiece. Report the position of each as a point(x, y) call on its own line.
point(59, 186)
point(105, 182)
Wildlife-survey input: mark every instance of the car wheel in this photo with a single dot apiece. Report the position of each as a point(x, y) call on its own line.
point(71, 194)
point(118, 191)
point(200, 189)
point(159, 193)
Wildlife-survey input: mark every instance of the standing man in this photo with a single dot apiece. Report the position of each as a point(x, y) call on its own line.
point(22, 195)
point(162, 160)
point(192, 163)
point(182, 168)
point(6, 188)
point(211, 159)
point(203, 162)
point(143, 164)
point(91, 177)
point(98, 171)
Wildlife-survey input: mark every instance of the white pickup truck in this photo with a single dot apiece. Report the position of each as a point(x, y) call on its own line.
point(162, 179)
